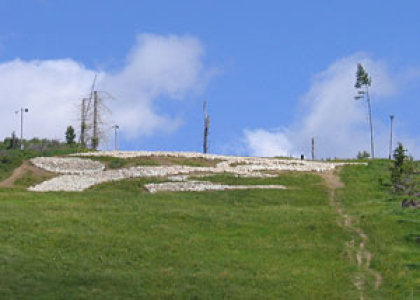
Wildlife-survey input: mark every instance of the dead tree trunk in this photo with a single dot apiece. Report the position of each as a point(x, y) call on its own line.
point(83, 124)
point(206, 129)
point(95, 138)
point(313, 148)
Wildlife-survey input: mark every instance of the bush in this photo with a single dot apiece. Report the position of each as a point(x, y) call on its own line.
point(363, 155)
point(403, 173)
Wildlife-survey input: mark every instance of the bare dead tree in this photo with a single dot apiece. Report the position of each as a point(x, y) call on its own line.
point(82, 138)
point(85, 109)
point(95, 138)
point(313, 148)
point(100, 119)
point(206, 128)
point(94, 117)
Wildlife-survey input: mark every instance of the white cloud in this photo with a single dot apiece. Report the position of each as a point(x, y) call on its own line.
point(331, 115)
point(267, 143)
point(157, 67)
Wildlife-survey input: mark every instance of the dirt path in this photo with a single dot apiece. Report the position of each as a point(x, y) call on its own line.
point(363, 256)
point(21, 171)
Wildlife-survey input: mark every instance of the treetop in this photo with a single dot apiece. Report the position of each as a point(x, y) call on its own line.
point(362, 77)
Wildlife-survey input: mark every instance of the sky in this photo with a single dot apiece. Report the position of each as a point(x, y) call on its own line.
point(274, 74)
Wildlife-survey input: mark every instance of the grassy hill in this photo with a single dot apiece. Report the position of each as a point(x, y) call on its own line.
point(116, 241)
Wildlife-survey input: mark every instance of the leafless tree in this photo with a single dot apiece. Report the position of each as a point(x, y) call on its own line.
point(206, 128)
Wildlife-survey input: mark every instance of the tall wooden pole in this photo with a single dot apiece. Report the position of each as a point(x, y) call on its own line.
point(116, 127)
point(21, 129)
point(390, 138)
point(22, 112)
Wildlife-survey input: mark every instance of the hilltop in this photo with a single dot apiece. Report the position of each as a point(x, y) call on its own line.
point(322, 230)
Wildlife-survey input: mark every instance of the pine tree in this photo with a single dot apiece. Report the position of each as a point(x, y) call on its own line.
point(362, 77)
point(402, 172)
point(70, 135)
point(363, 82)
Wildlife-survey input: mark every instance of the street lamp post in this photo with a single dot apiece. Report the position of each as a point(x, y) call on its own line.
point(391, 117)
point(116, 127)
point(22, 111)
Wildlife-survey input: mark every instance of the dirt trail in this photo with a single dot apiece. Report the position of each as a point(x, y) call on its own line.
point(21, 171)
point(363, 256)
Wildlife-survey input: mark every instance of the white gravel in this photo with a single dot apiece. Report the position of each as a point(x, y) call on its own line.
point(68, 165)
point(78, 174)
point(202, 186)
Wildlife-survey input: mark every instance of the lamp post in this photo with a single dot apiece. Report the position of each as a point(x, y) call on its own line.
point(391, 117)
point(116, 127)
point(22, 111)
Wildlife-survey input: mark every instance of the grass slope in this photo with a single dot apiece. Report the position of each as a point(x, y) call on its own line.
point(115, 241)
point(394, 232)
point(12, 159)
point(118, 163)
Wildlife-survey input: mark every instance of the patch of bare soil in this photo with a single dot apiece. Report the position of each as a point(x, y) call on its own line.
point(363, 256)
point(21, 171)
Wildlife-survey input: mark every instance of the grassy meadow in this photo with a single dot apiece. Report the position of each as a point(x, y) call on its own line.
point(393, 231)
point(116, 241)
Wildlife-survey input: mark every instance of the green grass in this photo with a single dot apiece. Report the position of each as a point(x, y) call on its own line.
point(30, 179)
point(118, 163)
point(115, 241)
point(11, 159)
point(289, 179)
point(392, 230)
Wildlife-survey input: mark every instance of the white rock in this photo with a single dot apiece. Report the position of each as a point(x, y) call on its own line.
point(68, 165)
point(81, 174)
point(201, 186)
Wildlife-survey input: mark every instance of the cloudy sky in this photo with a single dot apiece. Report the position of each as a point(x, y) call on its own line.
point(275, 74)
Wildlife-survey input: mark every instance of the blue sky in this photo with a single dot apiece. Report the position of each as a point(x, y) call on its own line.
point(259, 65)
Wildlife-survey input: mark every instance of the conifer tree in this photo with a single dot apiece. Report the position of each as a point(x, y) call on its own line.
point(70, 135)
point(363, 82)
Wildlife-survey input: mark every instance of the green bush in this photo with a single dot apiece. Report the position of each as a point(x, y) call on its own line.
point(402, 172)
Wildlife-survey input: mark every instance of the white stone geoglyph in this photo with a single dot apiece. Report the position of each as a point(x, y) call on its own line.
point(68, 165)
point(78, 174)
point(202, 186)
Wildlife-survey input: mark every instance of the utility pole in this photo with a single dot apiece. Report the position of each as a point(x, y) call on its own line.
point(95, 139)
point(391, 117)
point(313, 148)
point(206, 128)
point(116, 127)
point(21, 129)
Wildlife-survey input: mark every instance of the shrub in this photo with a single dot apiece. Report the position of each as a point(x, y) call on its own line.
point(402, 172)
point(363, 155)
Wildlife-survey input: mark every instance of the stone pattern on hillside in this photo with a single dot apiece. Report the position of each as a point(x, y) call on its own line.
point(78, 174)
point(202, 186)
point(247, 164)
point(68, 165)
